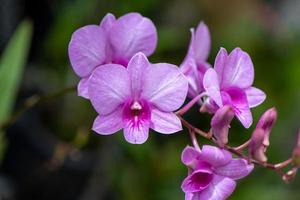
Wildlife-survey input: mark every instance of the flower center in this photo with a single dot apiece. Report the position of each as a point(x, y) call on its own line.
point(136, 112)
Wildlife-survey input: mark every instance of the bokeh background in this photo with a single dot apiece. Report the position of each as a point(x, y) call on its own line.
point(50, 151)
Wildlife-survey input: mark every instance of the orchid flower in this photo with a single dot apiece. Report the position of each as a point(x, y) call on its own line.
point(195, 65)
point(230, 83)
point(137, 98)
point(113, 41)
point(212, 173)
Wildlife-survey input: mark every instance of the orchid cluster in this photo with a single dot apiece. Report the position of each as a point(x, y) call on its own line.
point(130, 93)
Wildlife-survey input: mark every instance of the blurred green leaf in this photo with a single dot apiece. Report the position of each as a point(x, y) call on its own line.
point(11, 67)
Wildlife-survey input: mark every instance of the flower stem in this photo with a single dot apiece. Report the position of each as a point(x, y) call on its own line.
point(185, 108)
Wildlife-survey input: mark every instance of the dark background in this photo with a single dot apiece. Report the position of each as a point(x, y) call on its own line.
point(51, 153)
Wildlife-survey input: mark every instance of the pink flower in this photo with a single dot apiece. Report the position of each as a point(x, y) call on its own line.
point(113, 41)
point(194, 65)
point(212, 173)
point(259, 141)
point(137, 98)
point(230, 83)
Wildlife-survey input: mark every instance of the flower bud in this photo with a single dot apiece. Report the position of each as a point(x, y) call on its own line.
point(220, 124)
point(259, 141)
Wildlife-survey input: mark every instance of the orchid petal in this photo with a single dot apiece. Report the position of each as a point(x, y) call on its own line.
point(165, 86)
point(236, 169)
point(240, 106)
point(189, 155)
point(215, 156)
point(136, 134)
point(82, 88)
point(109, 86)
point(220, 62)
point(165, 122)
point(136, 68)
point(238, 70)
point(211, 85)
point(255, 96)
point(109, 124)
point(107, 22)
point(219, 189)
point(197, 181)
point(201, 43)
point(87, 49)
point(132, 33)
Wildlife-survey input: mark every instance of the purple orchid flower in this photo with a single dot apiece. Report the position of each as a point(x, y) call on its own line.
point(212, 173)
point(113, 41)
point(137, 98)
point(194, 65)
point(230, 83)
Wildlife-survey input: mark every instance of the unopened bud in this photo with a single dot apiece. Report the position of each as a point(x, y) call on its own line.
point(220, 124)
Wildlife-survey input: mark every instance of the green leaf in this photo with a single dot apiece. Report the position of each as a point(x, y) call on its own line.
point(11, 67)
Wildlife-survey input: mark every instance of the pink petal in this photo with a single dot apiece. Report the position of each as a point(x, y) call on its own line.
point(136, 134)
point(201, 43)
point(255, 96)
point(220, 62)
point(220, 124)
point(236, 169)
point(197, 181)
point(107, 22)
point(215, 156)
point(240, 106)
point(133, 33)
point(189, 155)
point(108, 124)
point(219, 189)
point(87, 49)
point(109, 87)
point(212, 87)
point(189, 196)
point(136, 68)
point(165, 122)
point(82, 88)
point(165, 86)
point(238, 70)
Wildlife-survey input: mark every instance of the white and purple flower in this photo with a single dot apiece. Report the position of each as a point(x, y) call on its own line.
point(113, 41)
point(212, 173)
point(137, 98)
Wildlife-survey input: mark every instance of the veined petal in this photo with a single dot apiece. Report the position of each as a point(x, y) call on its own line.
point(109, 124)
point(238, 70)
point(255, 96)
point(201, 43)
point(215, 156)
point(165, 86)
point(212, 86)
point(107, 22)
point(236, 169)
point(133, 33)
point(109, 87)
point(136, 68)
point(165, 122)
point(189, 155)
point(82, 88)
point(240, 106)
point(220, 62)
point(219, 189)
point(87, 49)
point(136, 134)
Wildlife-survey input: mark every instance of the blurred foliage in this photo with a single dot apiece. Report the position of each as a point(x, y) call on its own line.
point(153, 170)
point(12, 65)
